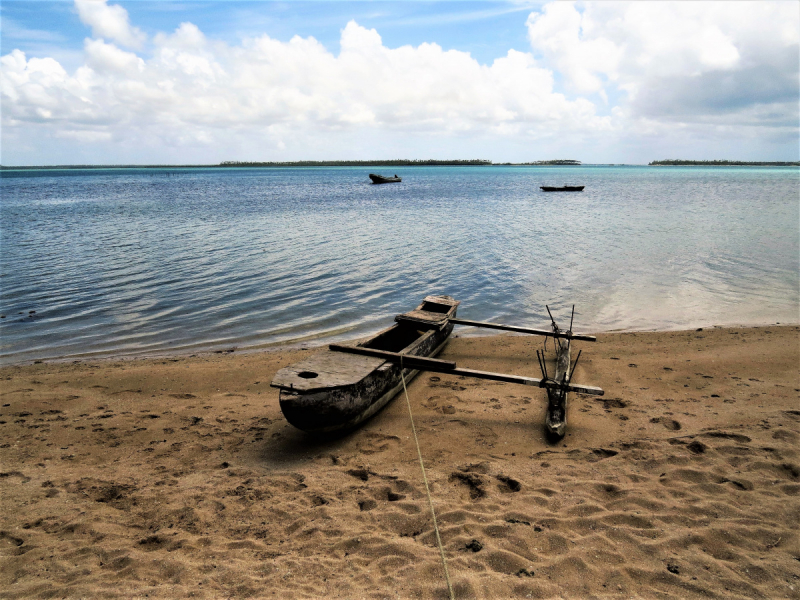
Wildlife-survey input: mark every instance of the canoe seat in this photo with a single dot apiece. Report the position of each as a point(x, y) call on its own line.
point(433, 313)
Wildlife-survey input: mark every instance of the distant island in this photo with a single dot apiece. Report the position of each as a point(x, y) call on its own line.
point(313, 163)
point(720, 163)
point(409, 163)
point(394, 163)
point(360, 163)
point(546, 163)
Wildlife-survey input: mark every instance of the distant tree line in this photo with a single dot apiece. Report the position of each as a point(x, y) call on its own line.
point(545, 163)
point(330, 163)
point(357, 163)
point(722, 163)
point(50, 167)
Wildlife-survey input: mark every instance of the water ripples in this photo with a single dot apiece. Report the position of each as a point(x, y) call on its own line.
point(132, 262)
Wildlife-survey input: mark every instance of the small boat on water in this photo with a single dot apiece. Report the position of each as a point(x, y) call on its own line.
point(335, 391)
point(565, 188)
point(381, 179)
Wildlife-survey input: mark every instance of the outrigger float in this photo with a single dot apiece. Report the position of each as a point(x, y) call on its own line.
point(343, 385)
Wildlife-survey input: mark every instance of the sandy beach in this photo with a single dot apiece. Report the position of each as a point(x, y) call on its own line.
point(179, 477)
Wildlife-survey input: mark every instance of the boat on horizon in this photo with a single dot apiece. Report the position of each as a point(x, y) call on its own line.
point(565, 188)
point(381, 179)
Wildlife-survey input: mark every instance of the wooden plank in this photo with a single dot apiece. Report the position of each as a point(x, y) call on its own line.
point(430, 318)
point(325, 370)
point(424, 317)
point(521, 379)
point(448, 367)
point(408, 360)
point(560, 334)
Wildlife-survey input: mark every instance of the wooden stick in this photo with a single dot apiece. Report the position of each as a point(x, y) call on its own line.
point(436, 365)
point(560, 334)
point(409, 360)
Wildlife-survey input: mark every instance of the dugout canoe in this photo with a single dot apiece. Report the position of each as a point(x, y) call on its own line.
point(381, 179)
point(336, 391)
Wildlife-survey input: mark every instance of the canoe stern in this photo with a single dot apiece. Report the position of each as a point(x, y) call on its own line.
point(335, 408)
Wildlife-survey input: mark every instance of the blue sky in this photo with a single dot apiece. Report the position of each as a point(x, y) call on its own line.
point(98, 81)
point(484, 29)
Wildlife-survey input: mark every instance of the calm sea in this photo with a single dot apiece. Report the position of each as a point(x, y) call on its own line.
point(121, 262)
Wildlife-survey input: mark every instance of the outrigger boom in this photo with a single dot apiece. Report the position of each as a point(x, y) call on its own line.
point(556, 334)
point(436, 365)
point(339, 387)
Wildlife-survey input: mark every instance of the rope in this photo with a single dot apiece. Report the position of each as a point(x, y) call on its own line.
point(427, 488)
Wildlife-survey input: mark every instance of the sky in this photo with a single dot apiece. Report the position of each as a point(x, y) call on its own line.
point(201, 82)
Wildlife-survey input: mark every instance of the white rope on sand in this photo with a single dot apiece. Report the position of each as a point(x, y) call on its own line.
point(427, 488)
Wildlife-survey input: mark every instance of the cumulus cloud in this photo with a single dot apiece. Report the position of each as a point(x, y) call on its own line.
point(109, 22)
point(693, 59)
point(709, 64)
point(195, 89)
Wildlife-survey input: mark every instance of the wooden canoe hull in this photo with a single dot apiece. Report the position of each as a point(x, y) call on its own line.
point(316, 407)
point(346, 407)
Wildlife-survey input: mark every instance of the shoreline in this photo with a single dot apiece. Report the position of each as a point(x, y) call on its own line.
point(474, 332)
point(175, 477)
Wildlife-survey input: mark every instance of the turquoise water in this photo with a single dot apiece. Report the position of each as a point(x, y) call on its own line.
point(120, 262)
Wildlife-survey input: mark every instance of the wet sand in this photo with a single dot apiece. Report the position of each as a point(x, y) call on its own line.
point(179, 477)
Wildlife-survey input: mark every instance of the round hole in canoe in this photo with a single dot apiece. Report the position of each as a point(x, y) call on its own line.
point(307, 374)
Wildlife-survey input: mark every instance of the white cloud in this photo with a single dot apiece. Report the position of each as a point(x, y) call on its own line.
point(109, 22)
point(102, 57)
point(681, 48)
point(717, 70)
point(202, 91)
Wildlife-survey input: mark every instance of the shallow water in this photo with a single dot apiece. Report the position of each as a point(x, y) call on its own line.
point(148, 261)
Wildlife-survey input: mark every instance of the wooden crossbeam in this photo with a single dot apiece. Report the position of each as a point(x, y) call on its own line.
point(436, 365)
point(559, 334)
point(409, 360)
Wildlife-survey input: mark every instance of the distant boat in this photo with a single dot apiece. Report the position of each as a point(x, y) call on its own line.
point(381, 179)
point(566, 188)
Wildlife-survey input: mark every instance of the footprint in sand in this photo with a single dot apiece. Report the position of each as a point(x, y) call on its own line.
point(742, 439)
point(783, 434)
point(386, 493)
point(697, 447)
point(473, 483)
point(610, 403)
point(366, 505)
point(670, 424)
point(24, 478)
point(362, 474)
point(508, 485)
point(601, 453)
point(153, 542)
point(372, 443)
point(12, 542)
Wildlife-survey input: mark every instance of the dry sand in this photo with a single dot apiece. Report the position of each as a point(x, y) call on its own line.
point(179, 477)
